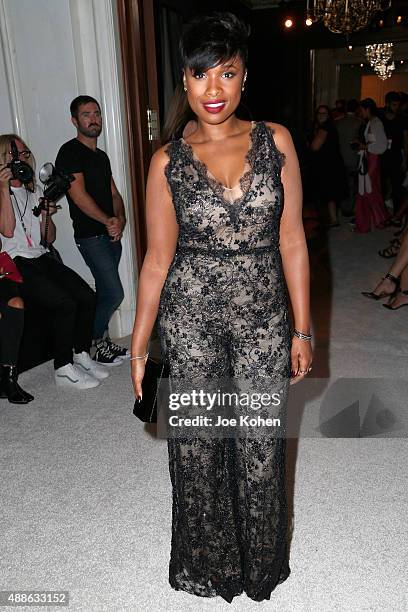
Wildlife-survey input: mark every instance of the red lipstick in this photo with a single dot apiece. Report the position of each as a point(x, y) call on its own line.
point(214, 106)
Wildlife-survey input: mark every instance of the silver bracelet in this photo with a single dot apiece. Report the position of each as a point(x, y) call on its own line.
point(139, 357)
point(300, 335)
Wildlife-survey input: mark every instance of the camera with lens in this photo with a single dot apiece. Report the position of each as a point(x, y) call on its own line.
point(20, 169)
point(56, 184)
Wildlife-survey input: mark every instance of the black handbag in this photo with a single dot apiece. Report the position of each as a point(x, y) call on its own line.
point(363, 168)
point(146, 408)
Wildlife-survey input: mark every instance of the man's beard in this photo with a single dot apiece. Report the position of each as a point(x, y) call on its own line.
point(90, 132)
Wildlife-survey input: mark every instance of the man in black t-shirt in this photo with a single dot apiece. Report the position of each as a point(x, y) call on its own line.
point(395, 127)
point(98, 217)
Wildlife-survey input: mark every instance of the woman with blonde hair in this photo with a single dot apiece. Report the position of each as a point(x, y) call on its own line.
point(59, 291)
point(11, 303)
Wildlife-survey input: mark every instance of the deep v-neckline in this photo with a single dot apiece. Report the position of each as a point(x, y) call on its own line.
point(246, 179)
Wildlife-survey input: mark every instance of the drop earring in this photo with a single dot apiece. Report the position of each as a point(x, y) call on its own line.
point(243, 83)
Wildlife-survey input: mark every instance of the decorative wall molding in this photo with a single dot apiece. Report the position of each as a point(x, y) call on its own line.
point(80, 39)
point(12, 73)
point(112, 100)
point(86, 58)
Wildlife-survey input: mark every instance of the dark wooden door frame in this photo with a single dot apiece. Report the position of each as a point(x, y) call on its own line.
point(137, 39)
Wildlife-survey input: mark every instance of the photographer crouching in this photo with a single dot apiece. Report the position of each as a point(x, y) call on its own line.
point(11, 311)
point(48, 283)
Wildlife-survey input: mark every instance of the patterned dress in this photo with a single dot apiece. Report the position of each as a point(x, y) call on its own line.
point(224, 313)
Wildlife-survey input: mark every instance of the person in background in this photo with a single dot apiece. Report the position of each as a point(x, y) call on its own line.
point(348, 129)
point(327, 171)
point(370, 207)
point(11, 312)
point(339, 110)
point(394, 285)
point(392, 160)
point(98, 217)
point(66, 299)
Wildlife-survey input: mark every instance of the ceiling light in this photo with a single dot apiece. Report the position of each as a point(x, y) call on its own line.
point(345, 16)
point(380, 57)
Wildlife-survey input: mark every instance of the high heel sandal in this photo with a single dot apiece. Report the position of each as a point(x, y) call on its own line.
point(393, 222)
point(389, 306)
point(383, 294)
point(392, 250)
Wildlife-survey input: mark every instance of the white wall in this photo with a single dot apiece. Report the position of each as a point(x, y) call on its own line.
point(6, 112)
point(51, 51)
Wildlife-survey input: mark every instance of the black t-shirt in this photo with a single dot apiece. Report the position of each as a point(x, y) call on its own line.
point(394, 129)
point(74, 157)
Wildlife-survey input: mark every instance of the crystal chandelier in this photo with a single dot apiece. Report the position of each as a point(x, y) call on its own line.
point(380, 59)
point(345, 16)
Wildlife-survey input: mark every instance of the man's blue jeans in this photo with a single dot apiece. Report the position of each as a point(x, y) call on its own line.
point(102, 257)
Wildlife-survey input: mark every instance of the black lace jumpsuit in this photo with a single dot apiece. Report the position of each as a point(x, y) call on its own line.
point(223, 311)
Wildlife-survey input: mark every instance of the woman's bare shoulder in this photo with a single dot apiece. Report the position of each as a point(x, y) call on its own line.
point(160, 158)
point(281, 136)
point(279, 131)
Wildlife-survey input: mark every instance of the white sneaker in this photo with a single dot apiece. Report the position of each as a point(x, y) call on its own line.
point(70, 376)
point(83, 360)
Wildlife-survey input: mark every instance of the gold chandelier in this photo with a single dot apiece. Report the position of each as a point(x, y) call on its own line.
point(345, 16)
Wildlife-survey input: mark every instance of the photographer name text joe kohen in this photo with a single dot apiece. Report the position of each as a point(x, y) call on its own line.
point(206, 421)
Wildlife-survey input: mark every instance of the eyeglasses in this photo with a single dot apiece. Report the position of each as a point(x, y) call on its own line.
point(25, 153)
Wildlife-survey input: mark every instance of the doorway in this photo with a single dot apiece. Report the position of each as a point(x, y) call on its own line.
point(137, 39)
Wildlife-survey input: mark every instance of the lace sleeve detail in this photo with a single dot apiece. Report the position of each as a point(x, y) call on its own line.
point(169, 150)
point(280, 156)
point(169, 172)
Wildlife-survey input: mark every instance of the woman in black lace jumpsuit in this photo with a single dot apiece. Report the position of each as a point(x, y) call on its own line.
point(213, 272)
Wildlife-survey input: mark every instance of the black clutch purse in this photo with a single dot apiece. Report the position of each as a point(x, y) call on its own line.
point(146, 408)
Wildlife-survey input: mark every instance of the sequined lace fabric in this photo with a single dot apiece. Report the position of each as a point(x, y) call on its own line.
point(223, 312)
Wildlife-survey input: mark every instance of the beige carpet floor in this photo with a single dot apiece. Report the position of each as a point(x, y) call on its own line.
point(85, 489)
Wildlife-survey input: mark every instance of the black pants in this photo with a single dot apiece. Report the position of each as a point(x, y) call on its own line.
point(347, 205)
point(393, 176)
point(69, 300)
point(11, 323)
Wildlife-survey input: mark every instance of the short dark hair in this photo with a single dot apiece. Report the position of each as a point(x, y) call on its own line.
point(369, 103)
point(326, 108)
point(392, 96)
point(80, 101)
point(352, 105)
point(208, 40)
